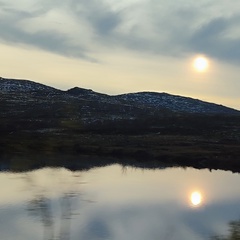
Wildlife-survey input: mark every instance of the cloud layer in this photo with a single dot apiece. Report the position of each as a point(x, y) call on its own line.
point(82, 28)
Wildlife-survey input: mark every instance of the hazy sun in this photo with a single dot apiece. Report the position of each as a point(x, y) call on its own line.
point(196, 198)
point(200, 64)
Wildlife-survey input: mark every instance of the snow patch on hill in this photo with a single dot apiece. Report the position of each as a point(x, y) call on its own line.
point(173, 102)
point(97, 102)
point(10, 85)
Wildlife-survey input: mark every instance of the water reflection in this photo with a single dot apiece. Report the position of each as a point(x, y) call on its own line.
point(118, 203)
point(233, 232)
point(196, 199)
point(41, 205)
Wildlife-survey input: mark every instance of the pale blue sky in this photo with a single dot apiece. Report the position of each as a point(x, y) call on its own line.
point(123, 46)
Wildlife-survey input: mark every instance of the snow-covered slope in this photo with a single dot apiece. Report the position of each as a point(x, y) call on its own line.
point(155, 101)
point(174, 103)
point(133, 102)
point(12, 85)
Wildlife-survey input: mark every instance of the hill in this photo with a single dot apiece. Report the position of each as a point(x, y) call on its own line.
point(39, 119)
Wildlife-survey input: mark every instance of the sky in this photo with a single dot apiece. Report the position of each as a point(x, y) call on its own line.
point(124, 46)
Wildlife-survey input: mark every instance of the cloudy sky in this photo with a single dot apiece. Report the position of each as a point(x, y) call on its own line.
point(124, 46)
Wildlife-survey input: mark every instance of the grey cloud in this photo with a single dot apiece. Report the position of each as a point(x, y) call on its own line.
point(96, 15)
point(211, 39)
point(213, 28)
point(179, 32)
point(153, 27)
point(179, 35)
point(101, 18)
point(12, 13)
point(2, 4)
point(106, 24)
point(52, 41)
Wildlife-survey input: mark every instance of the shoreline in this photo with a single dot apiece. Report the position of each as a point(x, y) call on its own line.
point(28, 151)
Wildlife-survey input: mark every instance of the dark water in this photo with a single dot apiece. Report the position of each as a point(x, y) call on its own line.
point(118, 203)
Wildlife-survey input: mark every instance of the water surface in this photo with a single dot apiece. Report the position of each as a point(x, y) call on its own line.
point(118, 203)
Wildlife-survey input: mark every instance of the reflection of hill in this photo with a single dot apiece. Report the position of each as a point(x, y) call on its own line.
point(234, 232)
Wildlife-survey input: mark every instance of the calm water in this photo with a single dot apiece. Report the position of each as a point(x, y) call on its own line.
point(118, 203)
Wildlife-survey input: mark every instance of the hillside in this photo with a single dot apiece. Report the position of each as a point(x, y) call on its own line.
point(32, 106)
point(38, 119)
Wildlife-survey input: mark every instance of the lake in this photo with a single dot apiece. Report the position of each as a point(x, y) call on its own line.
point(118, 203)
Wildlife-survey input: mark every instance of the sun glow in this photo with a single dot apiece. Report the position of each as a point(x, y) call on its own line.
point(196, 198)
point(200, 64)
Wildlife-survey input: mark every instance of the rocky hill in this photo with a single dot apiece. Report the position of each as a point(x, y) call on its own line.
point(23, 86)
point(142, 100)
point(42, 122)
point(29, 105)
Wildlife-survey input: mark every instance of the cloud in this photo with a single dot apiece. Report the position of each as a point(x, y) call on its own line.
point(212, 39)
point(79, 28)
point(47, 40)
point(99, 15)
point(14, 31)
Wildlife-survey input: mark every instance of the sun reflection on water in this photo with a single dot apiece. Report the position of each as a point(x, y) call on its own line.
point(196, 199)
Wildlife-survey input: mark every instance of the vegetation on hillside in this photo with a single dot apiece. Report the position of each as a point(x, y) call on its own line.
point(52, 123)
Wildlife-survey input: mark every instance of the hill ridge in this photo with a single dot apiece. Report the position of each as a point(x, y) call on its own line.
point(144, 99)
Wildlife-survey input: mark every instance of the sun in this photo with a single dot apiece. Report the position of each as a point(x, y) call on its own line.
point(200, 64)
point(196, 198)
